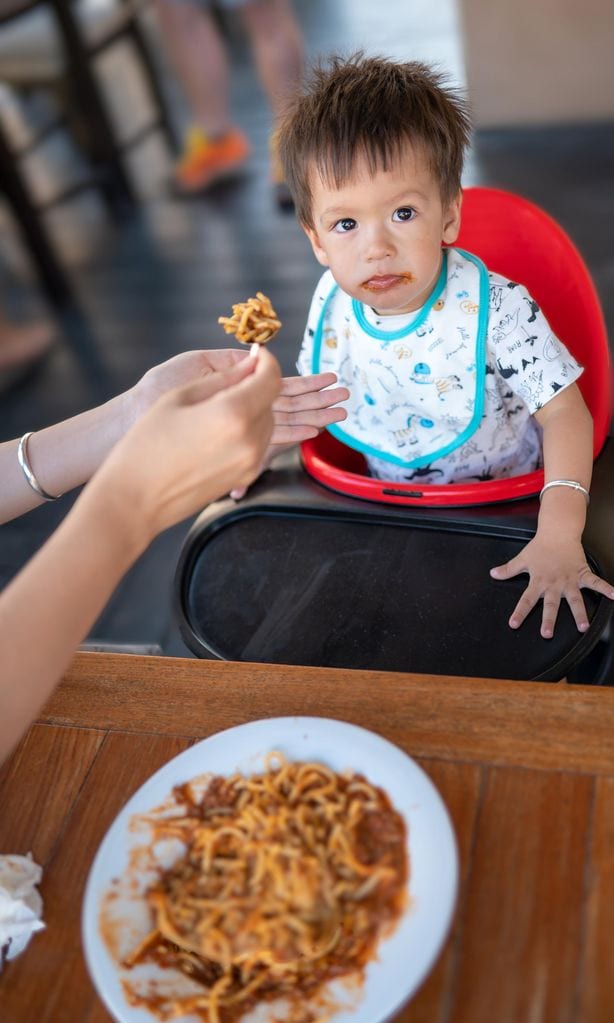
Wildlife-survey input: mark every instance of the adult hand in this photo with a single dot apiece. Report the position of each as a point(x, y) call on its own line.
point(67, 454)
point(192, 446)
point(557, 568)
point(181, 369)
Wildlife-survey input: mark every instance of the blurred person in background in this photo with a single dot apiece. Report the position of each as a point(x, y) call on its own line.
point(22, 344)
point(215, 147)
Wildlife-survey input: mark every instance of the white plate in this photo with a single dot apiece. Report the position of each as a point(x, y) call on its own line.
point(405, 958)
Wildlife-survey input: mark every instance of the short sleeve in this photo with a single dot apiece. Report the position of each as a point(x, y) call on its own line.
point(304, 363)
point(534, 363)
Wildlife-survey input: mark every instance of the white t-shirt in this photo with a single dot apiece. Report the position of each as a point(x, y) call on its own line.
point(445, 393)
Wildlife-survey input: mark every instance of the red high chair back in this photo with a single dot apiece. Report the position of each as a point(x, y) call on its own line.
point(516, 238)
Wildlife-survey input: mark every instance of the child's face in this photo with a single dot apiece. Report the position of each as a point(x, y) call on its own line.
point(381, 233)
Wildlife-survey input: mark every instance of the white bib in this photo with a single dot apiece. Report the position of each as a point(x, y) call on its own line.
point(418, 388)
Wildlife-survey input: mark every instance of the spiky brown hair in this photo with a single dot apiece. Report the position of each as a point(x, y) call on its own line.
point(370, 107)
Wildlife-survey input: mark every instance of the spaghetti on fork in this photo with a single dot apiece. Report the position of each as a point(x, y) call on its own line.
point(253, 321)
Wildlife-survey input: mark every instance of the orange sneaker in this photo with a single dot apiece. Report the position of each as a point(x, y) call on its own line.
point(208, 160)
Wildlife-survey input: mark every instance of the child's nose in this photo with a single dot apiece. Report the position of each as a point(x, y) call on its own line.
point(378, 244)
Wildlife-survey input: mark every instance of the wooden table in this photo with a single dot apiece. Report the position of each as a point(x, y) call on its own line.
point(526, 769)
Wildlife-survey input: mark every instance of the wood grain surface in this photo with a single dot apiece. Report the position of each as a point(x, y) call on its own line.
point(526, 770)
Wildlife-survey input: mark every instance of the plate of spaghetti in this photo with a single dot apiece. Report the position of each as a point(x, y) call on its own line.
point(289, 870)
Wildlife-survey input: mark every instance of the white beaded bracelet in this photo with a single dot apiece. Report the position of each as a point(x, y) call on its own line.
point(22, 458)
point(566, 483)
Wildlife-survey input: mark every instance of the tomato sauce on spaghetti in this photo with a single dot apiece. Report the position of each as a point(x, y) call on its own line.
point(289, 880)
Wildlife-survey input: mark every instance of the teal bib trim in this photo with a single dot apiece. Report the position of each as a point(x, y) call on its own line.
point(396, 335)
point(319, 333)
point(480, 363)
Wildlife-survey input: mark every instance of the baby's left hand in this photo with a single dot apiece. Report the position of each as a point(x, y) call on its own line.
point(556, 568)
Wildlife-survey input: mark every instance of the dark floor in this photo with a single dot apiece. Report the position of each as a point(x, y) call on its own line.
point(156, 284)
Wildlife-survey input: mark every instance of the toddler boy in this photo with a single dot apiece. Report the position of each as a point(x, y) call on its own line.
point(453, 372)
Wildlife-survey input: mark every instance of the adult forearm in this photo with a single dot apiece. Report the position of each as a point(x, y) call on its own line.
point(62, 456)
point(194, 444)
point(51, 605)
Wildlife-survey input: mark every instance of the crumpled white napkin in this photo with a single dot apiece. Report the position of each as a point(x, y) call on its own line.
point(20, 904)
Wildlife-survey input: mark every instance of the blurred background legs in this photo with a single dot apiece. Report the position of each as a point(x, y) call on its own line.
point(194, 34)
point(277, 47)
point(23, 344)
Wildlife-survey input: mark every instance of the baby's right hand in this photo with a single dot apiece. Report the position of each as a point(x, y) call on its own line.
point(305, 406)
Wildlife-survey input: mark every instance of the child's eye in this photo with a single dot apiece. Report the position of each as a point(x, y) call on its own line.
point(404, 213)
point(345, 225)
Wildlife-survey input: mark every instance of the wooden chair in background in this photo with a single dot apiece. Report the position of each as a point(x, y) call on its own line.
point(53, 46)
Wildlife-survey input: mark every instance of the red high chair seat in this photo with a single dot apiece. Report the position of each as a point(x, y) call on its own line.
point(516, 238)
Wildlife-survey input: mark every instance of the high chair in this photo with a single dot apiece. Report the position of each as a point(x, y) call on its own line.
point(329, 566)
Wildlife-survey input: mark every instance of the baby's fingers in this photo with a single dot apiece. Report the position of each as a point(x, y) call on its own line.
point(508, 570)
point(291, 404)
point(552, 602)
point(292, 386)
point(516, 566)
point(578, 610)
point(589, 581)
point(524, 606)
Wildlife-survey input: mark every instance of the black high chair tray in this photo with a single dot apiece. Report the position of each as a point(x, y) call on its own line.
point(296, 574)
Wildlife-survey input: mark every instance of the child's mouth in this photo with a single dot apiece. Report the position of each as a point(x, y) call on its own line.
point(387, 281)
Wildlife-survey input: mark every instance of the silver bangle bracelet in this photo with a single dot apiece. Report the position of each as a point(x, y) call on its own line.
point(22, 458)
point(566, 483)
